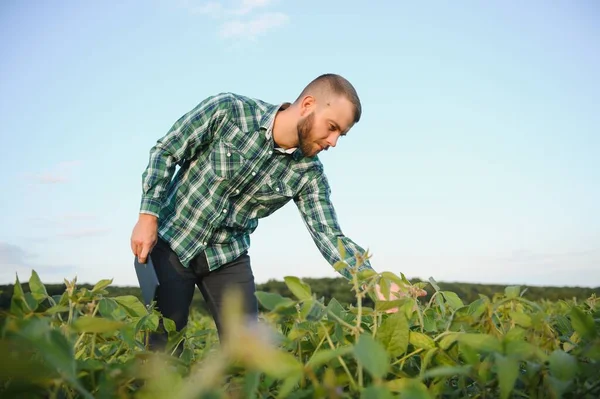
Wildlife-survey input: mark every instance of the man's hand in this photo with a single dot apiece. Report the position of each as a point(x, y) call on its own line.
point(144, 236)
point(395, 289)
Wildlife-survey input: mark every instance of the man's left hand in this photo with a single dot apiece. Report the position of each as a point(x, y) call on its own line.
point(397, 293)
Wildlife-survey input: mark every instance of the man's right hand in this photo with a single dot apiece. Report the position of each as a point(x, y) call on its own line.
point(144, 236)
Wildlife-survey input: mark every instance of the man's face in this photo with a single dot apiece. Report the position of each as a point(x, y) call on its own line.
point(324, 124)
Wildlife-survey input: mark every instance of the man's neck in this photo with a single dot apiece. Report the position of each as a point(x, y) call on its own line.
point(285, 132)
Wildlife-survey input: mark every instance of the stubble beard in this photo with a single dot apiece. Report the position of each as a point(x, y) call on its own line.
point(304, 128)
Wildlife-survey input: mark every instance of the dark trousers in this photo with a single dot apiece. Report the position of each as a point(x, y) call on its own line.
point(177, 284)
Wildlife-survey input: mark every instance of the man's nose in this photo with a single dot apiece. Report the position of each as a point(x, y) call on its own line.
point(332, 139)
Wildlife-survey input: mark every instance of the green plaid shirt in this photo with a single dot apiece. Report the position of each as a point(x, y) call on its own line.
point(230, 175)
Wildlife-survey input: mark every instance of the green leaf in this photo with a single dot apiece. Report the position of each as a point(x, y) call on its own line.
point(340, 265)
point(31, 302)
point(452, 299)
point(17, 366)
point(523, 350)
point(404, 279)
point(372, 355)
point(132, 305)
point(446, 371)
point(392, 277)
point(382, 306)
point(520, 318)
point(429, 320)
point(512, 291)
point(341, 249)
point(110, 309)
point(100, 285)
point(365, 274)
point(376, 392)
point(169, 324)
point(393, 334)
point(337, 309)
point(289, 385)
point(478, 307)
point(148, 322)
point(409, 388)
point(440, 302)
point(481, 342)
point(434, 284)
point(420, 340)
point(273, 301)
point(324, 356)
point(56, 309)
point(583, 323)
point(89, 324)
point(299, 288)
point(54, 348)
point(558, 387)
point(469, 354)
point(38, 290)
point(563, 325)
point(562, 365)
point(448, 340)
point(251, 382)
point(429, 354)
point(312, 310)
point(508, 372)
point(275, 363)
point(18, 305)
point(384, 287)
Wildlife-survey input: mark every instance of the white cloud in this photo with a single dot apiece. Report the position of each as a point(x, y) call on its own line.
point(55, 175)
point(250, 5)
point(213, 9)
point(70, 225)
point(15, 260)
point(62, 220)
point(254, 27)
point(82, 233)
point(239, 20)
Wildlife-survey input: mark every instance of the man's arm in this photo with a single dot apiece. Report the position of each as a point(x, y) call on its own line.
point(191, 132)
point(319, 216)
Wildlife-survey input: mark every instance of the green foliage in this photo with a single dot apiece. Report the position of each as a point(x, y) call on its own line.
point(86, 342)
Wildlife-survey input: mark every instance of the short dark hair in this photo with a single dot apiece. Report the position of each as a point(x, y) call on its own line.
point(336, 84)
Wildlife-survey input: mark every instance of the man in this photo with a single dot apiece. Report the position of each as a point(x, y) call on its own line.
point(240, 159)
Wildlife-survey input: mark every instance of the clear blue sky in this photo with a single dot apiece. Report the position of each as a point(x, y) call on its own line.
point(477, 158)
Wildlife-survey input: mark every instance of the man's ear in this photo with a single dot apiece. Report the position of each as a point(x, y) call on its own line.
point(307, 105)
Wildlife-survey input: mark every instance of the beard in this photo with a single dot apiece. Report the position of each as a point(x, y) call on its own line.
point(304, 129)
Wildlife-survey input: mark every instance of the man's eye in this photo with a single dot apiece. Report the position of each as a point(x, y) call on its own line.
point(331, 127)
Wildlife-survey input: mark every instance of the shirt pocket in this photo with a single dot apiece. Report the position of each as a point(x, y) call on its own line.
point(274, 192)
point(226, 160)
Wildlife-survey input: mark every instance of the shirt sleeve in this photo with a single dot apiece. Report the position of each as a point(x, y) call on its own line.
point(188, 134)
point(318, 213)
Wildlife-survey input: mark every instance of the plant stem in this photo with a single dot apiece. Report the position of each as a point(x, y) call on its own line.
point(318, 346)
point(78, 341)
point(377, 315)
point(360, 374)
point(93, 348)
point(407, 356)
point(359, 295)
point(342, 322)
point(352, 382)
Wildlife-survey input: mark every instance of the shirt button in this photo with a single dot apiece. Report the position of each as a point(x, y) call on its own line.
point(237, 191)
point(224, 210)
point(228, 154)
point(253, 173)
point(277, 189)
point(204, 243)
